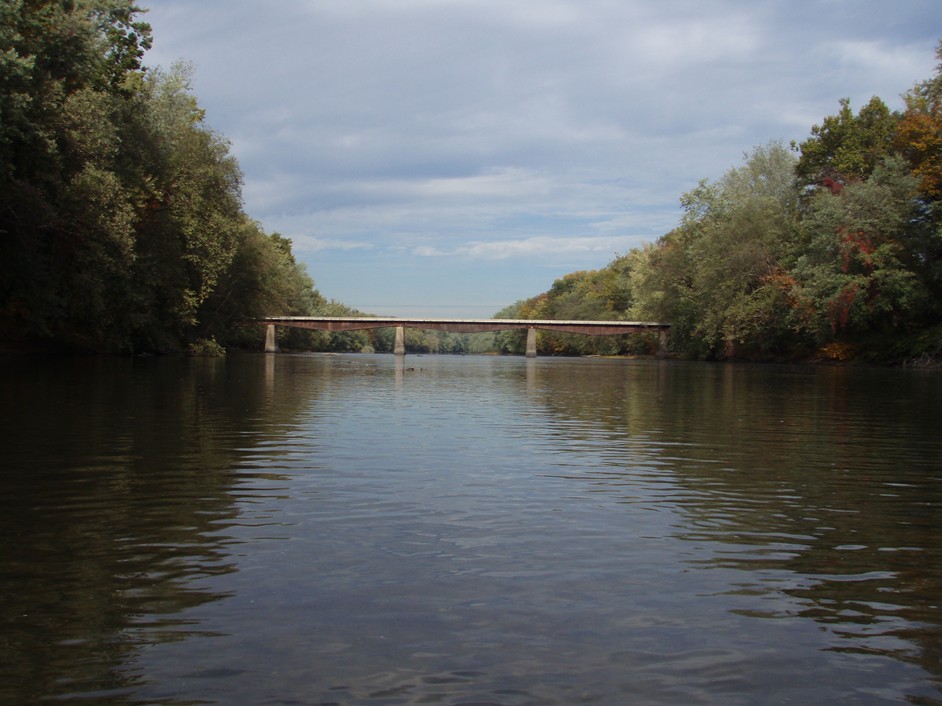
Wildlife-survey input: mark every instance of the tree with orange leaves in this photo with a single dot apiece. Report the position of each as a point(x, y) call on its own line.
point(919, 134)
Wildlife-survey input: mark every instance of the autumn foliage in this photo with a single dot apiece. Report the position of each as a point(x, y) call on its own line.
point(831, 245)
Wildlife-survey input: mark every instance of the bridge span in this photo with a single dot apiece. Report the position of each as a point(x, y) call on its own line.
point(345, 323)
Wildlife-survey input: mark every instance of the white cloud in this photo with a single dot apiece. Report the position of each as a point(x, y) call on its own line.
point(537, 246)
point(310, 244)
point(427, 251)
point(860, 59)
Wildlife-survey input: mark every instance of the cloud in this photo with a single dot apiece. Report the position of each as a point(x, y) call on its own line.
point(537, 246)
point(428, 251)
point(310, 244)
point(859, 58)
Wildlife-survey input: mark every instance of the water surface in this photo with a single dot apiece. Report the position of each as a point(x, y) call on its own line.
point(311, 529)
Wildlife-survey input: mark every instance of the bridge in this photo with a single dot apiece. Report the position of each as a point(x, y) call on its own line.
point(350, 323)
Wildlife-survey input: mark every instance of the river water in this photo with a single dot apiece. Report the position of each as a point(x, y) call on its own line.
point(319, 529)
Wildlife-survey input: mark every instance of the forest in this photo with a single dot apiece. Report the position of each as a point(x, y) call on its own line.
point(122, 227)
point(826, 250)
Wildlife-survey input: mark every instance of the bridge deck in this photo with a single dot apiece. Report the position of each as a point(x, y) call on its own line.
point(345, 323)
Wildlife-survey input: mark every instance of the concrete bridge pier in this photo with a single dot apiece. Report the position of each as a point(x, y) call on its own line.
point(531, 343)
point(271, 340)
point(400, 347)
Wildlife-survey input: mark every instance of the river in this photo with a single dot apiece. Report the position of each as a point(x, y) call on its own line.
point(357, 529)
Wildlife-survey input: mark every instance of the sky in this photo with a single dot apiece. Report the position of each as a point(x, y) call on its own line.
point(447, 158)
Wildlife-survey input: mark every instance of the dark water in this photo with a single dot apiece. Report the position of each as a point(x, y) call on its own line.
point(346, 530)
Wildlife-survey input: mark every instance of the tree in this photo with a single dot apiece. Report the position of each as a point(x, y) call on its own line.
point(66, 214)
point(121, 221)
point(263, 279)
point(919, 140)
point(663, 286)
point(846, 148)
point(720, 277)
point(513, 342)
point(856, 273)
point(919, 134)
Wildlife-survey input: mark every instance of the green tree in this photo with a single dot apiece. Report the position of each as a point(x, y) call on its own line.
point(66, 213)
point(846, 148)
point(121, 221)
point(512, 342)
point(720, 278)
point(197, 216)
point(663, 287)
point(263, 279)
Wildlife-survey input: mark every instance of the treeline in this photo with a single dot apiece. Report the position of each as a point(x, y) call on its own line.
point(121, 219)
point(122, 227)
point(831, 248)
